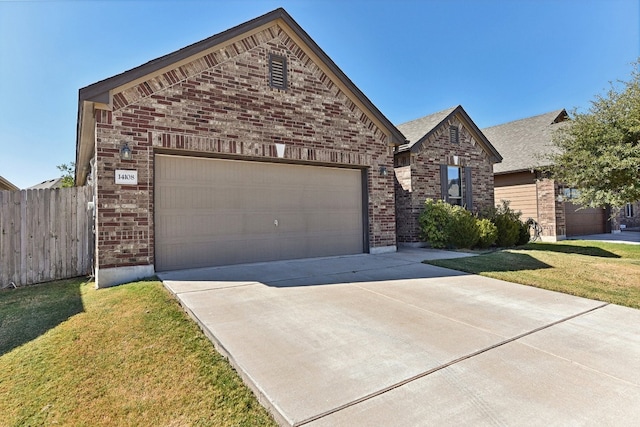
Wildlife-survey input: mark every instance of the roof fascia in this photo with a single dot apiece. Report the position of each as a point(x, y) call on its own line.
point(344, 83)
point(496, 157)
point(85, 140)
point(532, 170)
point(98, 91)
point(561, 115)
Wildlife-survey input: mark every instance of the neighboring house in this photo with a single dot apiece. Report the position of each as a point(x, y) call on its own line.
point(50, 183)
point(520, 180)
point(629, 217)
point(248, 146)
point(447, 157)
point(6, 185)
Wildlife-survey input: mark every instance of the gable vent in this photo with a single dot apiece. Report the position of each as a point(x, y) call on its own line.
point(277, 72)
point(453, 135)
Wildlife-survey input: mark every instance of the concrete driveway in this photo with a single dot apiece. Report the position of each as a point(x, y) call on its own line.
point(385, 340)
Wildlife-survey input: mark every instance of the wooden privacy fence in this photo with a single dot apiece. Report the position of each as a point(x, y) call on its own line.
point(45, 235)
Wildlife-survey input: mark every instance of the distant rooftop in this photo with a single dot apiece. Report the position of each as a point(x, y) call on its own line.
point(522, 143)
point(50, 183)
point(6, 185)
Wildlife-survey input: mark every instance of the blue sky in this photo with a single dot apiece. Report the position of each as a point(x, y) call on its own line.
point(500, 59)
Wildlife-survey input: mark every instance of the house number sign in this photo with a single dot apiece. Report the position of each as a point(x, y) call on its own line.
point(126, 177)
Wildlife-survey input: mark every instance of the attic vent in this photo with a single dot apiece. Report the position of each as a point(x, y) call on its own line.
point(453, 135)
point(277, 72)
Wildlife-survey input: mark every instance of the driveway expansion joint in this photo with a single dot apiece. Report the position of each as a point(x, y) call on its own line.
point(443, 366)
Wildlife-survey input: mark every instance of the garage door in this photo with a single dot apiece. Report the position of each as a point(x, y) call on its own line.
point(580, 222)
point(212, 212)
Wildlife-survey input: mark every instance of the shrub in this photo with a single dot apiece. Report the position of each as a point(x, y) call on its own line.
point(508, 223)
point(524, 236)
point(463, 230)
point(434, 223)
point(487, 232)
point(447, 226)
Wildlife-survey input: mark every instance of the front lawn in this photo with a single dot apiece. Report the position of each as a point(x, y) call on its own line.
point(125, 356)
point(607, 272)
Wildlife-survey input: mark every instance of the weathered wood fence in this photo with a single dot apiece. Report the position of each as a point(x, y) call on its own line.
point(45, 235)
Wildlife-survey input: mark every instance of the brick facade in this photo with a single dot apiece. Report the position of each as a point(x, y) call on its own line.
point(551, 210)
point(418, 175)
point(622, 221)
point(221, 105)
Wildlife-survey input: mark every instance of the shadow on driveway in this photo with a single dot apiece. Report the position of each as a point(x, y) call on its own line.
point(405, 264)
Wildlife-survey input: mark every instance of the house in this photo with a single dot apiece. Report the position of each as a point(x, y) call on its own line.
point(6, 185)
point(248, 146)
point(50, 183)
point(520, 178)
point(447, 157)
point(628, 217)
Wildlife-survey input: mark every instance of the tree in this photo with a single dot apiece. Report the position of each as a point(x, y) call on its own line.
point(68, 174)
point(599, 151)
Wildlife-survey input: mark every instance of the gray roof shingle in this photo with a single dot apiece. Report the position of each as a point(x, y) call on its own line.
point(523, 142)
point(416, 129)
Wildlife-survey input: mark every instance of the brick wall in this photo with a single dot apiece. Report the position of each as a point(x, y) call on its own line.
point(221, 105)
point(424, 170)
point(629, 222)
point(551, 215)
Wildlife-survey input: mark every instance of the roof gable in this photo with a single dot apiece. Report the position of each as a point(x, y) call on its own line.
point(418, 131)
point(523, 142)
point(221, 47)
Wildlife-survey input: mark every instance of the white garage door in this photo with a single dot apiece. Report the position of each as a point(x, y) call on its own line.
point(212, 212)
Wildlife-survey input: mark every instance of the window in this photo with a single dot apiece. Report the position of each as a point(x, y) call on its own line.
point(454, 185)
point(453, 135)
point(570, 193)
point(277, 72)
point(628, 210)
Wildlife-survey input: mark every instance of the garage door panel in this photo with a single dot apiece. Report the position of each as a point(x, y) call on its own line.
point(582, 221)
point(216, 212)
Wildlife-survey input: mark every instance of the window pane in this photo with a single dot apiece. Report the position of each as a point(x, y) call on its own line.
point(454, 187)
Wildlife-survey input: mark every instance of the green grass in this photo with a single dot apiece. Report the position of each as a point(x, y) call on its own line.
point(607, 272)
point(125, 356)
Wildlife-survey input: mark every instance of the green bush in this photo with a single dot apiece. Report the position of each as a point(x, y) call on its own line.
point(447, 226)
point(487, 233)
point(524, 236)
point(463, 229)
point(434, 223)
point(508, 223)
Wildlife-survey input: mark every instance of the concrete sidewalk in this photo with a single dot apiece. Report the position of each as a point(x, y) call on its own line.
point(628, 237)
point(385, 340)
